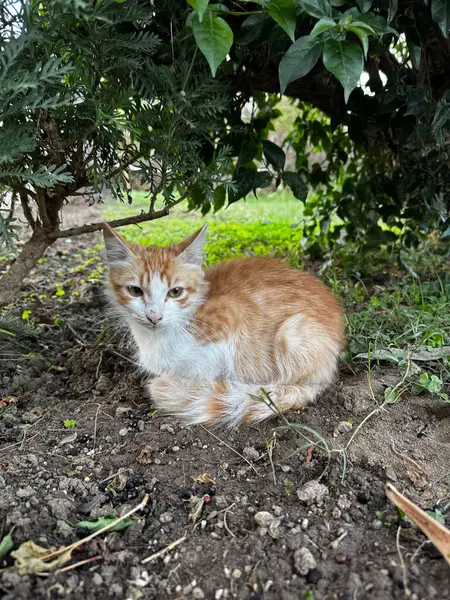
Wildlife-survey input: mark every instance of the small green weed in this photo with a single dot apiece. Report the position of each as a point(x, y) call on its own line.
point(429, 383)
point(70, 423)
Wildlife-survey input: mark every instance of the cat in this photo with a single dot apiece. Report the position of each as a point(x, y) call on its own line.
point(213, 340)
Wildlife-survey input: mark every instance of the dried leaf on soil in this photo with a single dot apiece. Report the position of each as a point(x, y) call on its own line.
point(197, 507)
point(435, 532)
point(103, 522)
point(30, 559)
point(69, 439)
point(204, 478)
point(8, 401)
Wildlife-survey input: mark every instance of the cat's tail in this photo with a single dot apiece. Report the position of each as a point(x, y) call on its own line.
point(226, 403)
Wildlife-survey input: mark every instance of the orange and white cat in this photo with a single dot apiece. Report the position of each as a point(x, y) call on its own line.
point(212, 339)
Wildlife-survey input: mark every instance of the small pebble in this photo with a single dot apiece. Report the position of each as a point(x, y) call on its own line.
point(123, 432)
point(250, 453)
point(312, 492)
point(342, 427)
point(304, 561)
point(167, 427)
point(187, 590)
point(198, 594)
point(390, 474)
point(340, 558)
point(165, 517)
point(264, 518)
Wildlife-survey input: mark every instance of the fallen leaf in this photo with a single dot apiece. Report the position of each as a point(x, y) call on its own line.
point(7, 544)
point(425, 354)
point(204, 478)
point(30, 559)
point(118, 483)
point(309, 455)
point(145, 456)
point(435, 531)
point(69, 439)
point(102, 522)
point(8, 401)
point(197, 507)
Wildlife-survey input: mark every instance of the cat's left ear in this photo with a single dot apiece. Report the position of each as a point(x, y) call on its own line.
point(191, 249)
point(117, 250)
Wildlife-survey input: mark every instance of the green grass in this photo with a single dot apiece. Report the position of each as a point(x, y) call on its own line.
point(251, 227)
point(400, 312)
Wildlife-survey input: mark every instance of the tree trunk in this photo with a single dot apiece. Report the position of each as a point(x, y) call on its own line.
point(32, 250)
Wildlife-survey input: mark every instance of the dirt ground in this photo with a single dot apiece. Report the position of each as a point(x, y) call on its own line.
point(330, 533)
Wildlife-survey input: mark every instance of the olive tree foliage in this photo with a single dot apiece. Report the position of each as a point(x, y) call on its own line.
point(188, 90)
point(87, 89)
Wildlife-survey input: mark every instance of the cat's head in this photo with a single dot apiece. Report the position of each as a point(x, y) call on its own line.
point(156, 287)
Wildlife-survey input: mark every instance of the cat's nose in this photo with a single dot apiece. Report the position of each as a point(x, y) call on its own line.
point(154, 319)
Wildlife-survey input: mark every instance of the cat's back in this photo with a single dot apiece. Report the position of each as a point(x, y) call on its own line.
point(270, 284)
point(261, 274)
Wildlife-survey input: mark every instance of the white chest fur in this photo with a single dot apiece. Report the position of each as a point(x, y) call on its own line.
point(168, 351)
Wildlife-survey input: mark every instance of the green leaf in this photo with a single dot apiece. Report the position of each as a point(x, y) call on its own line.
point(390, 395)
point(7, 544)
point(274, 155)
point(364, 5)
point(70, 423)
point(102, 522)
point(323, 25)
point(379, 24)
point(243, 185)
point(251, 29)
point(298, 60)
point(440, 12)
point(200, 7)
point(362, 37)
point(345, 60)
point(418, 102)
point(283, 12)
point(5, 332)
point(262, 180)
point(363, 26)
point(393, 6)
point(220, 195)
point(249, 150)
point(317, 8)
point(441, 116)
point(297, 184)
point(214, 38)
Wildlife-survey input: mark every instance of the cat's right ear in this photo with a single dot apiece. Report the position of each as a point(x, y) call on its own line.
point(117, 251)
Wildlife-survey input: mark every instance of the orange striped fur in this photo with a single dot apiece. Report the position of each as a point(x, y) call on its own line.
point(210, 340)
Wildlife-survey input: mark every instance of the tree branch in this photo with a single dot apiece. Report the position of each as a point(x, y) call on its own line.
point(26, 209)
point(90, 228)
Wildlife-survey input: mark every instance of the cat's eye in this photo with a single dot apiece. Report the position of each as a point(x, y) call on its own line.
point(135, 291)
point(175, 292)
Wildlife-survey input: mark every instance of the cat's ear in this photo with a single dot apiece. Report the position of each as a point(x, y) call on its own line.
point(191, 249)
point(117, 251)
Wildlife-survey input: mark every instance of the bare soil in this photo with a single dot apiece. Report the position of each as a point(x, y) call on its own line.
point(334, 532)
